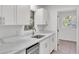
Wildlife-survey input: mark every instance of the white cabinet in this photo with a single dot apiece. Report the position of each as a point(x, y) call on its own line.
point(23, 15)
point(41, 16)
point(52, 45)
point(0, 14)
point(9, 14)
point(47, 45)
point(44, 47)
point(14, 15)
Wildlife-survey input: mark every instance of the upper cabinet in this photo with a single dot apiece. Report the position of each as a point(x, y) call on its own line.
point(44, 46)
point(23, 15)
point(14, 15)
point(41, 16)
point(9, 14)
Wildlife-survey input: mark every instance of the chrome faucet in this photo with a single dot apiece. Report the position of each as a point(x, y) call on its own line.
point(34, 30)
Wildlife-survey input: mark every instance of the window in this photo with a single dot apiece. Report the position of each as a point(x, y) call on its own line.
point(70, 21)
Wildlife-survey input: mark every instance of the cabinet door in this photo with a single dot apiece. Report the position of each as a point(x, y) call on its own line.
point(23, 15)
point(0, 14)
point(9, 14)
point(52, 43)
point(41, 17)
point(44, 47)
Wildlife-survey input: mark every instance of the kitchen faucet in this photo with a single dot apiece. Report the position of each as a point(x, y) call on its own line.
point(34, 30)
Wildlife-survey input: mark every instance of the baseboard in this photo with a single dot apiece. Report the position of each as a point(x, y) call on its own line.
point(68, 40)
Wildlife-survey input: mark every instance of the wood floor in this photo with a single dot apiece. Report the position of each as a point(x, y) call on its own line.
point(66, 47)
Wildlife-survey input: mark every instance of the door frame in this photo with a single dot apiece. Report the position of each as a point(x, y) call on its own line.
point(70, 9)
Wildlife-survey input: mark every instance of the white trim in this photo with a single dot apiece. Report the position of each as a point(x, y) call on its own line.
point(68, 40)
point(77, 51)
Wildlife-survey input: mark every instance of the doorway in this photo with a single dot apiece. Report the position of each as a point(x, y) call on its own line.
point(66, 31)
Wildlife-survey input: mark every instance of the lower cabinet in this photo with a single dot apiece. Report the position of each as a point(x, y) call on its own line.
point(44, 47)
point(52, 45)
point(47, 46)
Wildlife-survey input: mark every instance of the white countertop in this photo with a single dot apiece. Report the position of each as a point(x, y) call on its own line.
point(23, 43)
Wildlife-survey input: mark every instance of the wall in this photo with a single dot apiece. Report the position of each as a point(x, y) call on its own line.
point(52, 10)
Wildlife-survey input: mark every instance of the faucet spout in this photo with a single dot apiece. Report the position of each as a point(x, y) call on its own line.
point(34, 30)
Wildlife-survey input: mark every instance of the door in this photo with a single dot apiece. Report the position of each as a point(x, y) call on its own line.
point(9, 14)
point(23, 14)
point(67, 25)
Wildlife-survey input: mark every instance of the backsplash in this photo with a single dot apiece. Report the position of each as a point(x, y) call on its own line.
point(40, 28)
point(21, 32)
point(9, 30)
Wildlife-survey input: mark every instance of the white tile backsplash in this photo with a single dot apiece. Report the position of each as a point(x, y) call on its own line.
point(9, 30)
point(40, 28)
point(21, 32)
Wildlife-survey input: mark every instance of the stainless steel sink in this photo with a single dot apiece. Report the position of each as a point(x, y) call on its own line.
point(38, 36)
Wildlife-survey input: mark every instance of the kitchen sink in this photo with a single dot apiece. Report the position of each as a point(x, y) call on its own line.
point(38, 36)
